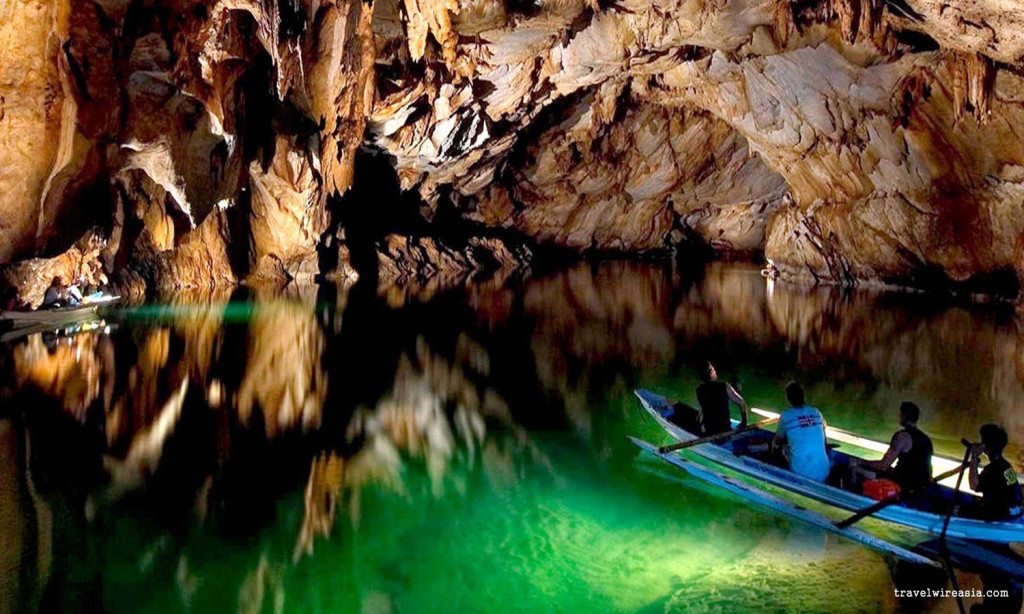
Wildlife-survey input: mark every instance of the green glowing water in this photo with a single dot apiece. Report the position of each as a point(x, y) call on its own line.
point(588, 527)
point(481, 440)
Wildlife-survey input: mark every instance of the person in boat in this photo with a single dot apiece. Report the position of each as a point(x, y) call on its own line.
point(59, 294)
point(910, 449)
point(714, 397)
point(997, 482)
point(713, 400)
point(801, 436)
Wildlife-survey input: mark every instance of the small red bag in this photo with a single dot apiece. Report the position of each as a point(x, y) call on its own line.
point(881, 489)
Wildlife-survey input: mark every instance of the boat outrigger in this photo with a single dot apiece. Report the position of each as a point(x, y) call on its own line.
point(928, 516)
point(780, 505)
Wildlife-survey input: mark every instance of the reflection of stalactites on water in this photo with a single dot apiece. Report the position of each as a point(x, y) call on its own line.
point(283, 374)
point(146, 447)
point(727, 300)
point(141, 398)
point(600, 323)
point(968, 358)
point(26, 555)
point(73, 370)
point(892, 346)
point(436, 414)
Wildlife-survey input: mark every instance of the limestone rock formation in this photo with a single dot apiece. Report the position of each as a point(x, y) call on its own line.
point(431, 265)
point(212, 142)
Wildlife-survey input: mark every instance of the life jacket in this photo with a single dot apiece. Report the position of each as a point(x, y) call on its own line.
point(1001, 491)
point(914, 467)
point(714, 406)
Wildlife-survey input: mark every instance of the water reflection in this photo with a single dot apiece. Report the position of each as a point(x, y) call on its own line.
point(240, 413)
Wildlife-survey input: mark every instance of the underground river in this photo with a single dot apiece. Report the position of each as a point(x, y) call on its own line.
point(460, 449)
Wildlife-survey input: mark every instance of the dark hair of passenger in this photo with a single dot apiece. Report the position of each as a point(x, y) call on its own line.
point(795, 394)
point(705, 371)
point(910, 411)
point(994, 438)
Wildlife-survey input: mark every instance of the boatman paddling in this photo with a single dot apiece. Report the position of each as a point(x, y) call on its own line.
point(801, 435)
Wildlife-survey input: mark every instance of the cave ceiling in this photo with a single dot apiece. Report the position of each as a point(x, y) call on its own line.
point(847, 140)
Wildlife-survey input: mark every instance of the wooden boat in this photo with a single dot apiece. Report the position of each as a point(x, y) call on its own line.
point(939, 498)
point(59, 315)
point(788, 508)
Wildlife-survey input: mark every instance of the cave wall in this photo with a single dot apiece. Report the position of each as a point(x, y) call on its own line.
point(210, 142)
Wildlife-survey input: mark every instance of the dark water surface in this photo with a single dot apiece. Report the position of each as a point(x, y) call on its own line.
point(459, 450)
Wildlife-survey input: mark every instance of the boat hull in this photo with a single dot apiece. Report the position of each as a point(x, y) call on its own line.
point(60, 315)
point(782, 506)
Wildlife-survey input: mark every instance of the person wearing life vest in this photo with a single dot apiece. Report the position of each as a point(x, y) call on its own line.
point(713, 400)
point(911, 451)
point(997, 482)
point(714, 397)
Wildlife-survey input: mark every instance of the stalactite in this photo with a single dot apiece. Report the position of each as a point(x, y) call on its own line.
point(972, 77)
point(980, 81)
point(848, 12)
point(883, 34)
point(431, 17)
point(783, 23)
point(859, 19)
point(910, 91)
point(958, 83)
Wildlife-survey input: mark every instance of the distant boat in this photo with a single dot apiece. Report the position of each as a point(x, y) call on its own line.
point(59, 315)
point(1006, 531)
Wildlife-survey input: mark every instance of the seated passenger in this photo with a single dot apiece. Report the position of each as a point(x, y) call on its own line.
point(997, 482)
point(54, 296)
point(909, 448)
point(801, 434)
point(59, 294)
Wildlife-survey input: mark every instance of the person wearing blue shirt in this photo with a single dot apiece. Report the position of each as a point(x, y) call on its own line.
point(801, 436)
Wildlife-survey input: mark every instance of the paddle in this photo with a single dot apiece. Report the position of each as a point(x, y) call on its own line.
point(884, 503)
point(714, 438)
point(955, 507)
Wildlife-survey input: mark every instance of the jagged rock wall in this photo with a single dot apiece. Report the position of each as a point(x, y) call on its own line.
point(850, 140)
point(650, 181)
point(35, 114)
point(889, 178)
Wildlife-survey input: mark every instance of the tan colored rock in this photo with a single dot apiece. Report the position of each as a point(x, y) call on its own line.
point(994, 28)
point(635, 185)
point(633, 126)
point(37, 117)
point(31, 278)
point(201, 260)
point(287, 216)
point(340, 86)
point(422, 266)
point(884, 189)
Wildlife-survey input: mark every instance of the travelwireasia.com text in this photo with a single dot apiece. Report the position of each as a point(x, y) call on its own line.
point(932, 593)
